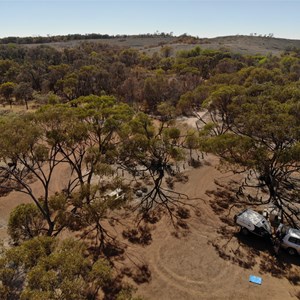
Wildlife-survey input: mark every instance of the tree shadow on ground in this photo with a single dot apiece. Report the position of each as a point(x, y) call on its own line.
point(140, 274)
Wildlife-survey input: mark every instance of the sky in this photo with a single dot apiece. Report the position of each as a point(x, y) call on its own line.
point(198, 17)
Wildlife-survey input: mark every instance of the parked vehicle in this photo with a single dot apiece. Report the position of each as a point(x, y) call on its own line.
point(289, 239)
point(116, 194)
point(251, 221)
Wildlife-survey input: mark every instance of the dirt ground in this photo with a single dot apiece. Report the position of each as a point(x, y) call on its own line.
point(9, 202)
point(191, 267)
point(210, 260)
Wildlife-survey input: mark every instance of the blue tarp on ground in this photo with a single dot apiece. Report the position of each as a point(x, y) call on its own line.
point(255, 279)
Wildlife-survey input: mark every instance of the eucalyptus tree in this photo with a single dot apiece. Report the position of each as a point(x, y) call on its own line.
point(26, 156)
point(6, 91)
point(85, 136)
point(261, 139)
point(23, 92)
point(152, 149)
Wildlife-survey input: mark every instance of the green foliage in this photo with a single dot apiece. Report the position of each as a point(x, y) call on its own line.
point(288, 62)
point(155, 91)
point(17, 136)
point(232, 148)
point(6, 89)
point(167, 110)
point(192, 140)
point(25, 222)
point(126, 294)
point(101, 272)
point(129, 57)
point(189, 53)
point(261, 75)
point(52, 270)
point(228, 65)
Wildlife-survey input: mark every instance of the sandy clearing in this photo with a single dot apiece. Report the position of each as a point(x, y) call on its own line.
point(190, 268)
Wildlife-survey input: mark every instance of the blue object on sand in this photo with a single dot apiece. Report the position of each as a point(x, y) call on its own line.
point(255, 279)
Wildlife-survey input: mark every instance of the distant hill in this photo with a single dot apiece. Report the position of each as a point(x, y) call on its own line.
point(247, 44)
point(152, 43)
point(239, 44)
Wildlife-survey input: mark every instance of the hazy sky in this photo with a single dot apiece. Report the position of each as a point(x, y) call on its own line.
point(198, 18)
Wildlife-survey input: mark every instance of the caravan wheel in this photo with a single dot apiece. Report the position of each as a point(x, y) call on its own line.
point(291, 251)
point(244, 231)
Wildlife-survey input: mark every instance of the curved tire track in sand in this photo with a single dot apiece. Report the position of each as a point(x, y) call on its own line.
point(195, 283)
point(171, 278)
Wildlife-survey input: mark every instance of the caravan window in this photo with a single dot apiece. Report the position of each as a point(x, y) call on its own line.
point(294, 240)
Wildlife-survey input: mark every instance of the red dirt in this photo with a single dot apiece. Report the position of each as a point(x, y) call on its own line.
point(189, 267)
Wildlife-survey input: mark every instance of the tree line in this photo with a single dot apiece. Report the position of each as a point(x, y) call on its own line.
point(46, 75)
point(73, 37)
